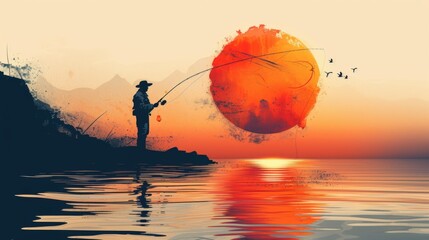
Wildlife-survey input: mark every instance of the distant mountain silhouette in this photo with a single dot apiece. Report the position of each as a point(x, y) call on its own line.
point(81, 106)
point(33, 135)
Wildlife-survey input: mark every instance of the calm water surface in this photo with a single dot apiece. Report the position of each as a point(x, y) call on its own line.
point(235, 199)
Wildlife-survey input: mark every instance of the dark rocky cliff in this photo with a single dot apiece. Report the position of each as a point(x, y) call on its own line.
point(32, 130)
point(32, 133)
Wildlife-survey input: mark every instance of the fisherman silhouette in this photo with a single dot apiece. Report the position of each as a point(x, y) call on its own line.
point(141, 109)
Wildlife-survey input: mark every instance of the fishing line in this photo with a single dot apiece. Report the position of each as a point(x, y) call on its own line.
point(233, 62)
point(186, 88)
point(279, 67)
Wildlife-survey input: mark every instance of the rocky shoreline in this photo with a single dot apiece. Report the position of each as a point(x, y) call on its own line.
point(32, 134)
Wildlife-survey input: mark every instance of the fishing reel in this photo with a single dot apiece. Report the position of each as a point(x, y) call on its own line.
point(163, 102)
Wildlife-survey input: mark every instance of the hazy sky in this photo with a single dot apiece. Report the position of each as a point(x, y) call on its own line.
point(377, 112)
point(85, 43)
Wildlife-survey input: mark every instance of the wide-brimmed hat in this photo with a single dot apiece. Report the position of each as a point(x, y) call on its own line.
point(143, 83)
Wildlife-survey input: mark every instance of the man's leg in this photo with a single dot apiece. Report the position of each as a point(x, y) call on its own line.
point(140, 143)
point(139, 140)
point(143, 141)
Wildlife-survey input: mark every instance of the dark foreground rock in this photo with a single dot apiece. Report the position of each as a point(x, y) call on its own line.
point(171, 156)
point(33, 135)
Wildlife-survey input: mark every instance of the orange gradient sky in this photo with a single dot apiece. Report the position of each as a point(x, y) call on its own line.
point(79, 46)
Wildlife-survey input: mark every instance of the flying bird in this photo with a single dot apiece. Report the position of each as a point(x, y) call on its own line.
point(327, 73)
point(340, 74)
point(354, 69)
point(346, 77)
point(331, 60)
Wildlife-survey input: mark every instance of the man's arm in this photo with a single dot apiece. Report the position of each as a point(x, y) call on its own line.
point(146, 105)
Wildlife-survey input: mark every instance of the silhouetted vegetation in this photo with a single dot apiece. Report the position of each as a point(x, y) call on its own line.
point(33, 135)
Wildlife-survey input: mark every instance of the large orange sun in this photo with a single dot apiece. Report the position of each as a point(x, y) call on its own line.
point(265, 81)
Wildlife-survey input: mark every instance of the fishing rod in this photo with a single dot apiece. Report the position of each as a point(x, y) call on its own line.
point(163, 102)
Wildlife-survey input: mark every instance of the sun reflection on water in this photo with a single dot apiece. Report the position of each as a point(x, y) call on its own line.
point(271, 167)
point(262, 198)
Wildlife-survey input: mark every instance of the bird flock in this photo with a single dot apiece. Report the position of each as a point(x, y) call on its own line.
point(340, 73)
